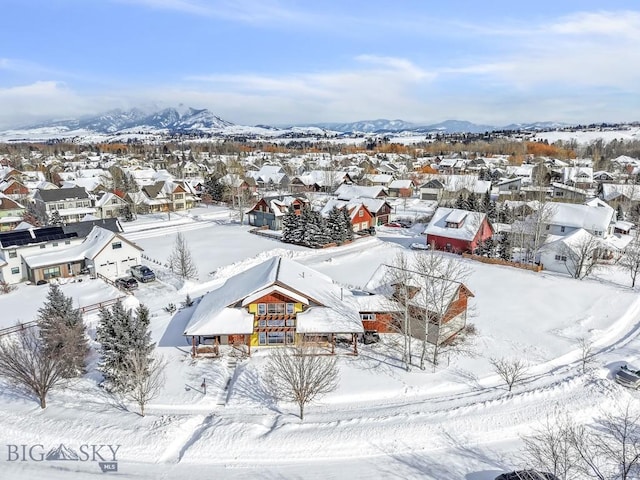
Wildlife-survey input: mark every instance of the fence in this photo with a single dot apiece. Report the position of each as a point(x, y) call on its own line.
point(499, 261)
point(112, 283)
point(98, 306)
point(17, 328)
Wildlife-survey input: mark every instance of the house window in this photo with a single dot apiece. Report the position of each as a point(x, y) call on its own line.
point(262, 338)
point(291, 322)
point(42, 246)
point(67, 242)
point(561, 258)
point(275, 338)
point(262, 323)
point(365, 225)
point(116, 245)
point(55, 244)
point(277, 322)
point(262, 309)
point(559, 194)
point(598, 233)
point(15, 270)
point(51, 272)
point(361, 213)
point(367, 316)
point(275, 309)
point(290, 308)
point(547, 227)
point(562, 229)
point(13, 254)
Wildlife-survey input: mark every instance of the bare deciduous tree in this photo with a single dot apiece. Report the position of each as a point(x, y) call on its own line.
point(25, 362)
point(631, 258)
point(610, 449)
point(581, 255)
point(511, 371)
point(298, 374)
point(585, 347)
point(180, 261)
point(549, 448)
point(398, 274)
point(145, 378)
point(442, 276)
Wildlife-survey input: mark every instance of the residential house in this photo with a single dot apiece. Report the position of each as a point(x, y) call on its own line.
point(567, 193)
point(72, 204)
point(14, 189)
point(447, 313)
point(11, 213)
point(270, 211)
point(509, 186)
point(455, 230)
point(432, 190)
point(377, 180)
point(270, 177)
point(627, 194)
point(319, 180)
point(452, 187)
point(109, 205)
point(20, 244)
point(579, 177)
point(361, 218)
point(562, 219)
point(278, 302)
point(401, 188)
point(568, 253)
point(103, 252)
point(347, 192)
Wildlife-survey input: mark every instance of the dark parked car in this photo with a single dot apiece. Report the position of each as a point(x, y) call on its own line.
point(527, 475)
point(127, 283)
point(628, 377)
point(370, 336)
point(142, 273)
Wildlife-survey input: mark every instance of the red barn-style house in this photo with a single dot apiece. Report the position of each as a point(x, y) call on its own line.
point(361, 217)
point(455, 230)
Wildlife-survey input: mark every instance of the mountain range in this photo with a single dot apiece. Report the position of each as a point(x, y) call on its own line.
point(192, 120)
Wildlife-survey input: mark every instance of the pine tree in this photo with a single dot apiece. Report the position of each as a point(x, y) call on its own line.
point(472, 203)
point(504, 247)
point(215, 188)
point(289, 225)
point(314, 232)
point(334, 226)
point(620, 212)
point(55, 219)
point(119, 333)
point(461, 203)
point(62, 330)
point(298, 234)
point(347, 226)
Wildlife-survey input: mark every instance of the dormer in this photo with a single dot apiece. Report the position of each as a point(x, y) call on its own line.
point(455, 219)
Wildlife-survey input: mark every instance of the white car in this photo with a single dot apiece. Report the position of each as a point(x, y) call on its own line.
point(420, 246)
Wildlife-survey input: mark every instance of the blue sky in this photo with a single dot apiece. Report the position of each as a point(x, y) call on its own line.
point(287, 61)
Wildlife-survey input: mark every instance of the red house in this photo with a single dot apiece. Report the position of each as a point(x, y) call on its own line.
point(455, 230)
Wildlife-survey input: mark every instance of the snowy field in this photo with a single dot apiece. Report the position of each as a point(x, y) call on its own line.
point(455, 422)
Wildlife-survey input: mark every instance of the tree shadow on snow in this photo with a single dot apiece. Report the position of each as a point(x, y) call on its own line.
point(250, 385)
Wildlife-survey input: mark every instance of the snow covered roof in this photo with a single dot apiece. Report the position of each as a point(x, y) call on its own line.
point(433, 292)
point(292, 279)
point(471, 222)
point(455, 183)
point(401, 184)
point(611, 191)
point(580, 216)
point(347, 192)
point(573, 241)
point(92, 245)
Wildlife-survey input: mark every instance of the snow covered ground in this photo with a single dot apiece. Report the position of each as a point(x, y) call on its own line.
point(455, 422)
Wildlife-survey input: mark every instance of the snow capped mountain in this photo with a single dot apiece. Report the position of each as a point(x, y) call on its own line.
point(394, 126)
point(169, 119)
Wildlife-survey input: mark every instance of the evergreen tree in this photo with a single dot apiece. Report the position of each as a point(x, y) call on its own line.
point(347, 227)
point(298, 234)
point(461, 203)
point(126, 213)
point(486, 202)
point(335, 228)
point(620, 212)
point(289, 225)
point(472, 203)
point(215, 188)
point(62, 330)
point(119, 333)
point(55, 219)
point(504, 247)
point(314, 233)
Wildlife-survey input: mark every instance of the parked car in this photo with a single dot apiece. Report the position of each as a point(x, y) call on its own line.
point(628, 376)
point(127, 283)
point(393, 225)
point(370, 336)
point(420, 246)
point(527, 475)
point(143, 273)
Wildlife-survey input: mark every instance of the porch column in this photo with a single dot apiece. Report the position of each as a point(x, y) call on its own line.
point(333, 344)
point(354, 336)
point(193, 346)
point(247, 340)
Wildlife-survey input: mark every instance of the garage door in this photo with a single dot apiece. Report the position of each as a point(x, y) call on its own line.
point(125, 265)
point(108, 269)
